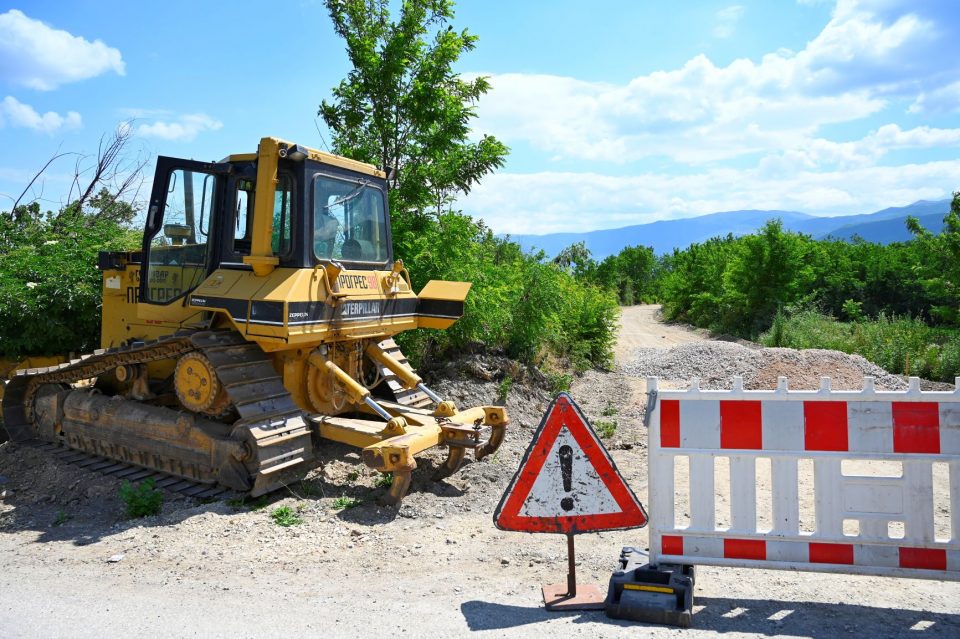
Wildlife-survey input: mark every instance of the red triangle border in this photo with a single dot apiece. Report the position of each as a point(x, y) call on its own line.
point(507, 515)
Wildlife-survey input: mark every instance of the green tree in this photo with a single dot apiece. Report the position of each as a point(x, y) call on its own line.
point(769, 269)
point(939, 265)
point(575, 259)
point(402, 106)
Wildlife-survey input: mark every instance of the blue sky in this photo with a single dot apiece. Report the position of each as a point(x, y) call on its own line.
point(617, 112)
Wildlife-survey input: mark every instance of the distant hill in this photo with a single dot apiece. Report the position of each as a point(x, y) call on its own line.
point(888, 225)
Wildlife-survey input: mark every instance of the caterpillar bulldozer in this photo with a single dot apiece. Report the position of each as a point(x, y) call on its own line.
point(255, 323)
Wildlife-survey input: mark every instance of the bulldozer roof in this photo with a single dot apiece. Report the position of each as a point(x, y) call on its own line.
point(319, 156)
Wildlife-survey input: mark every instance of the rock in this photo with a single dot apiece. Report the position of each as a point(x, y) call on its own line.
point(114, 559)
point(504, 561)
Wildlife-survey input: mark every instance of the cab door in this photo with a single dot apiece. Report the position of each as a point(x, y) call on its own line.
point(186, 208)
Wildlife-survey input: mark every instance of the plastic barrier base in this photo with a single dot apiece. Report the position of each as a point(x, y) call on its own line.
point(655, 594)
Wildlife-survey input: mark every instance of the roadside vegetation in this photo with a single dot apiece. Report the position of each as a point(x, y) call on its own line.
point(897, 305)
point(141, 500)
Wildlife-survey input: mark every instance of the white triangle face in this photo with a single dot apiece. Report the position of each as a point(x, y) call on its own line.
point(587, 494)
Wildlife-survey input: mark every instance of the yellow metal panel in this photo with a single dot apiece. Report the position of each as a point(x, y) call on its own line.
point(319, 156)
point(442, 290)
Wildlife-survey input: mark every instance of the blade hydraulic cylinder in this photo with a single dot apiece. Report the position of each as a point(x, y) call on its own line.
point(356, 391)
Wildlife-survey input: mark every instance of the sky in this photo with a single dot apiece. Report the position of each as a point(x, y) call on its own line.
point(617, 112)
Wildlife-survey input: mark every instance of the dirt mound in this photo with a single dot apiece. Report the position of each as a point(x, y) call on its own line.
point(717, 363)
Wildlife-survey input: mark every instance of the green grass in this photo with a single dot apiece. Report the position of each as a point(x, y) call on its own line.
point(899, 345)
point(383, 480)
point(141, 500)
point(341, 503)
point(605, 427)
point(61, 518)
point(609, 410)
point(353, 475)
point(285, 516)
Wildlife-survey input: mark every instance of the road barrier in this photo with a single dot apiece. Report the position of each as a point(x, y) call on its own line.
point(885, 469)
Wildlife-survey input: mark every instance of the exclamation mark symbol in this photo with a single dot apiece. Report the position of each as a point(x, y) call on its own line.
point(566, 472)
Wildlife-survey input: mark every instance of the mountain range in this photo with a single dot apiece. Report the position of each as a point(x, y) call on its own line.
point(888, 225)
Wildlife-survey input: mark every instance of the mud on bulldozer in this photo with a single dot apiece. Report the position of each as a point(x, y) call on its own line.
point(256, 322)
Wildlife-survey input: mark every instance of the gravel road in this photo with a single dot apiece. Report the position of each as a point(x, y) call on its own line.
point(72, 566)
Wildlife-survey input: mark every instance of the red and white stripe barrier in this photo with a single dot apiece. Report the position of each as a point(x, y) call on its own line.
point(890, 516)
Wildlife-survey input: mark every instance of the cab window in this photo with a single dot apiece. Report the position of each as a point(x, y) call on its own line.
point(349, 221)
point(280, 237)
point(178, 251)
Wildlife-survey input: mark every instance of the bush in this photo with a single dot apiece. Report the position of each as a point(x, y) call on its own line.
point(50, 288)
point(141, 500)
point(519, 302)
point(900, 345)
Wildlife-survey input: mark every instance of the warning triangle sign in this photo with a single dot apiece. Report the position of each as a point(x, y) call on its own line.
point(567, 482)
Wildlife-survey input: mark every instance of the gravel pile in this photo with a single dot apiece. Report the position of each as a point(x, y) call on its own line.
point(716, 364)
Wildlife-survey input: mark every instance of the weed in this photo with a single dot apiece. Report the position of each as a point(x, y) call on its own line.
point(605, 427)
point(383, 480)
point(503, 389)
point(609, 410)
point(353, 475)
point(340, 503)
point(142, 499)
point(62, 518)
point(559, 382)
point(285, 516)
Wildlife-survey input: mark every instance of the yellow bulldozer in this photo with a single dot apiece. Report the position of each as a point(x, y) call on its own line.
point(256, 322)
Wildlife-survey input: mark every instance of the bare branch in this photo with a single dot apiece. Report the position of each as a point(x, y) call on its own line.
point(55, 157)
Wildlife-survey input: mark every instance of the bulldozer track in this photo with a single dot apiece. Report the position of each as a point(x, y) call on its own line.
point(277, 440)
point(120, 470)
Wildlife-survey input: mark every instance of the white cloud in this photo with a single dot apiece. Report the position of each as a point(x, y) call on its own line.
point(183, 129)
point(820, 153)
point(38, 56)
point(551, 202)
point(727, 20)
point(17, 114)
point(871, 53)
point(941, 100)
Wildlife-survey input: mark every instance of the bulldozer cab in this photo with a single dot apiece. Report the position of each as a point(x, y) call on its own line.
point(284, 206)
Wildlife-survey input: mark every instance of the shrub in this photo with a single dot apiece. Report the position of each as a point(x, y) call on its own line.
point(519, 302)
point(900, 345)
point(141, 500)
point(49, 279)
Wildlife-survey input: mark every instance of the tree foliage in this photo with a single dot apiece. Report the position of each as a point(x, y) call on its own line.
point(50, 288)
point(402, 105)
point(939, 269)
